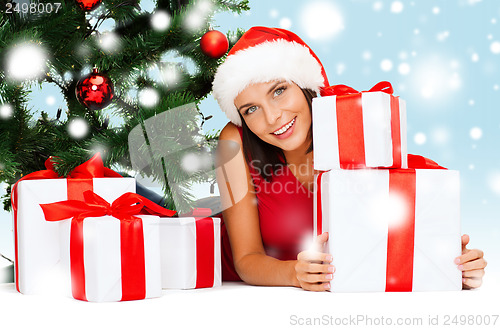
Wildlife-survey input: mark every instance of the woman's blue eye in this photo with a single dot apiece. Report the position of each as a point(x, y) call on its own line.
point(251, 109)
point(279, 91)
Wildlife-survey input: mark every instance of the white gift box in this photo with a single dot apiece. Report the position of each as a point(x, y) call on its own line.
point(365, 130)
point(103, 256)
point(374, 229)
point(190, 252)
point(38, 246)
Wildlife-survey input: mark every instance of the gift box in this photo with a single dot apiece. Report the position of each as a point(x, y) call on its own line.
point(354, 129)
point(391, 230)
point(37, 242)
point(190, 252)
point(112, 253)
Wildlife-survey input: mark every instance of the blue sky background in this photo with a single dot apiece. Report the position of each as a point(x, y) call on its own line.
point(442, 57)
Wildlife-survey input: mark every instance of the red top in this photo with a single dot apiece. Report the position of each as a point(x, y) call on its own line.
point(285, 215)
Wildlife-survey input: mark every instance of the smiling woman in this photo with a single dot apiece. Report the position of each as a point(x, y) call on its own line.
point(265, 87)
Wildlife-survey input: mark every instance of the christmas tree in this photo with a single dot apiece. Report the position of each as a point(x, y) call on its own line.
point(110, 73)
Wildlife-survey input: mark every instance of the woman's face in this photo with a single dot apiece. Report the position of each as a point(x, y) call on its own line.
point(277, 112)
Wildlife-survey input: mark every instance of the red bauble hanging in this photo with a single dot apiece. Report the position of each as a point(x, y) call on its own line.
point(214, 44)
point(88, 5)
point(94, 91)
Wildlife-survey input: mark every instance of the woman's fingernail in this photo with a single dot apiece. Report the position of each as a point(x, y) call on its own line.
point(331, 269)
point(457, 260)
point(463, 280)
point(460, 267)
point(329, 258)
point(326, 285)
point(329, 276)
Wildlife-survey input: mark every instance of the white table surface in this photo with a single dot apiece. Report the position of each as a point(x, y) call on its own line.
point(237, 305)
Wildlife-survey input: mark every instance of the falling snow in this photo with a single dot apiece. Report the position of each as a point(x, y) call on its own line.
point(404, 68)
point(321, 20)
point(109, 42)
point(26, 61)
point(148, 97)
point(285, 23)
point(160, 21)
point(377, 5)
point(191, 162)
point(420, 138)
point(386, 65)
point(198, 15)
point(476, 133)
point(78, 128)
point(495, 47)
point(441, 36)
point(494, 182)
point(6, 111)
point(397, 7)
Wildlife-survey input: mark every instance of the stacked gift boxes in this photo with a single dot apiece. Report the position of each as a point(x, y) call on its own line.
point(91, 237)
point(391, 228)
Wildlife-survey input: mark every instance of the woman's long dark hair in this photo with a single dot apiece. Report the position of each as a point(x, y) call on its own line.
point(263, 156)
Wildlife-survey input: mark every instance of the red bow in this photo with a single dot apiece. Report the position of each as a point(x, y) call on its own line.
point(93, 168)
point(342, 90)
point(123, 208)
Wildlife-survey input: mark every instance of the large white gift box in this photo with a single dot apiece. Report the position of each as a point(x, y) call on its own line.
point(359, 130)
point(190, 252)
point(391, 230)
point(38, 248)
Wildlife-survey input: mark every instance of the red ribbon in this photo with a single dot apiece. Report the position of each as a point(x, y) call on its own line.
point(401, 235)
point(205, 247)
point(205, 258)
point(319, 212)
point(131, 236)
point(350, 125)
point(342, 90)
point(79, 180)
point(400, 239)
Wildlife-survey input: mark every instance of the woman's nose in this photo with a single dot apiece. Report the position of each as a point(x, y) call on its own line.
point(272, 113)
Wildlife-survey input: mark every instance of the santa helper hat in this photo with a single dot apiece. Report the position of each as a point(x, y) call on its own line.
point(265, 54)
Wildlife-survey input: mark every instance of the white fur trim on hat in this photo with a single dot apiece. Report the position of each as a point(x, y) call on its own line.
point(270, 60)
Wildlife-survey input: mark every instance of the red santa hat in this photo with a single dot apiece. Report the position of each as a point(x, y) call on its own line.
point(264, 54)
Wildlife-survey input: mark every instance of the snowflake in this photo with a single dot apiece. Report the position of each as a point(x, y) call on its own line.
point(6, 111)
point(404, 68)
point(420, 138)
point(26, 61)
point(397, 7)
point(160, 20)
point(78, 128)
point(476, 133)
point(321, 20)
point(386, 65)
point(148, 97)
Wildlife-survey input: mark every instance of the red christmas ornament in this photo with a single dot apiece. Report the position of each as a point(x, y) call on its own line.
point(214, 44)
point(94, 91)
point(88, 5)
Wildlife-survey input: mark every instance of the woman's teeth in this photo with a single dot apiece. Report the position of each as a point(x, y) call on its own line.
point(285, 128)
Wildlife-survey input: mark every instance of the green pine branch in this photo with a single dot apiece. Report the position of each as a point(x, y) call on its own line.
point(30, 136)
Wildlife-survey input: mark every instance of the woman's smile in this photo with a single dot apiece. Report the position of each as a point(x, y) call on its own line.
point(286, 130)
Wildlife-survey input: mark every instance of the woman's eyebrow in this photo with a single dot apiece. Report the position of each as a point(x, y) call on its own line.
point(243, 106)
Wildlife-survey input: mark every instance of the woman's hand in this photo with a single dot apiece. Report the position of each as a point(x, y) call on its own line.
point(472, 265)
point(313, 269)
